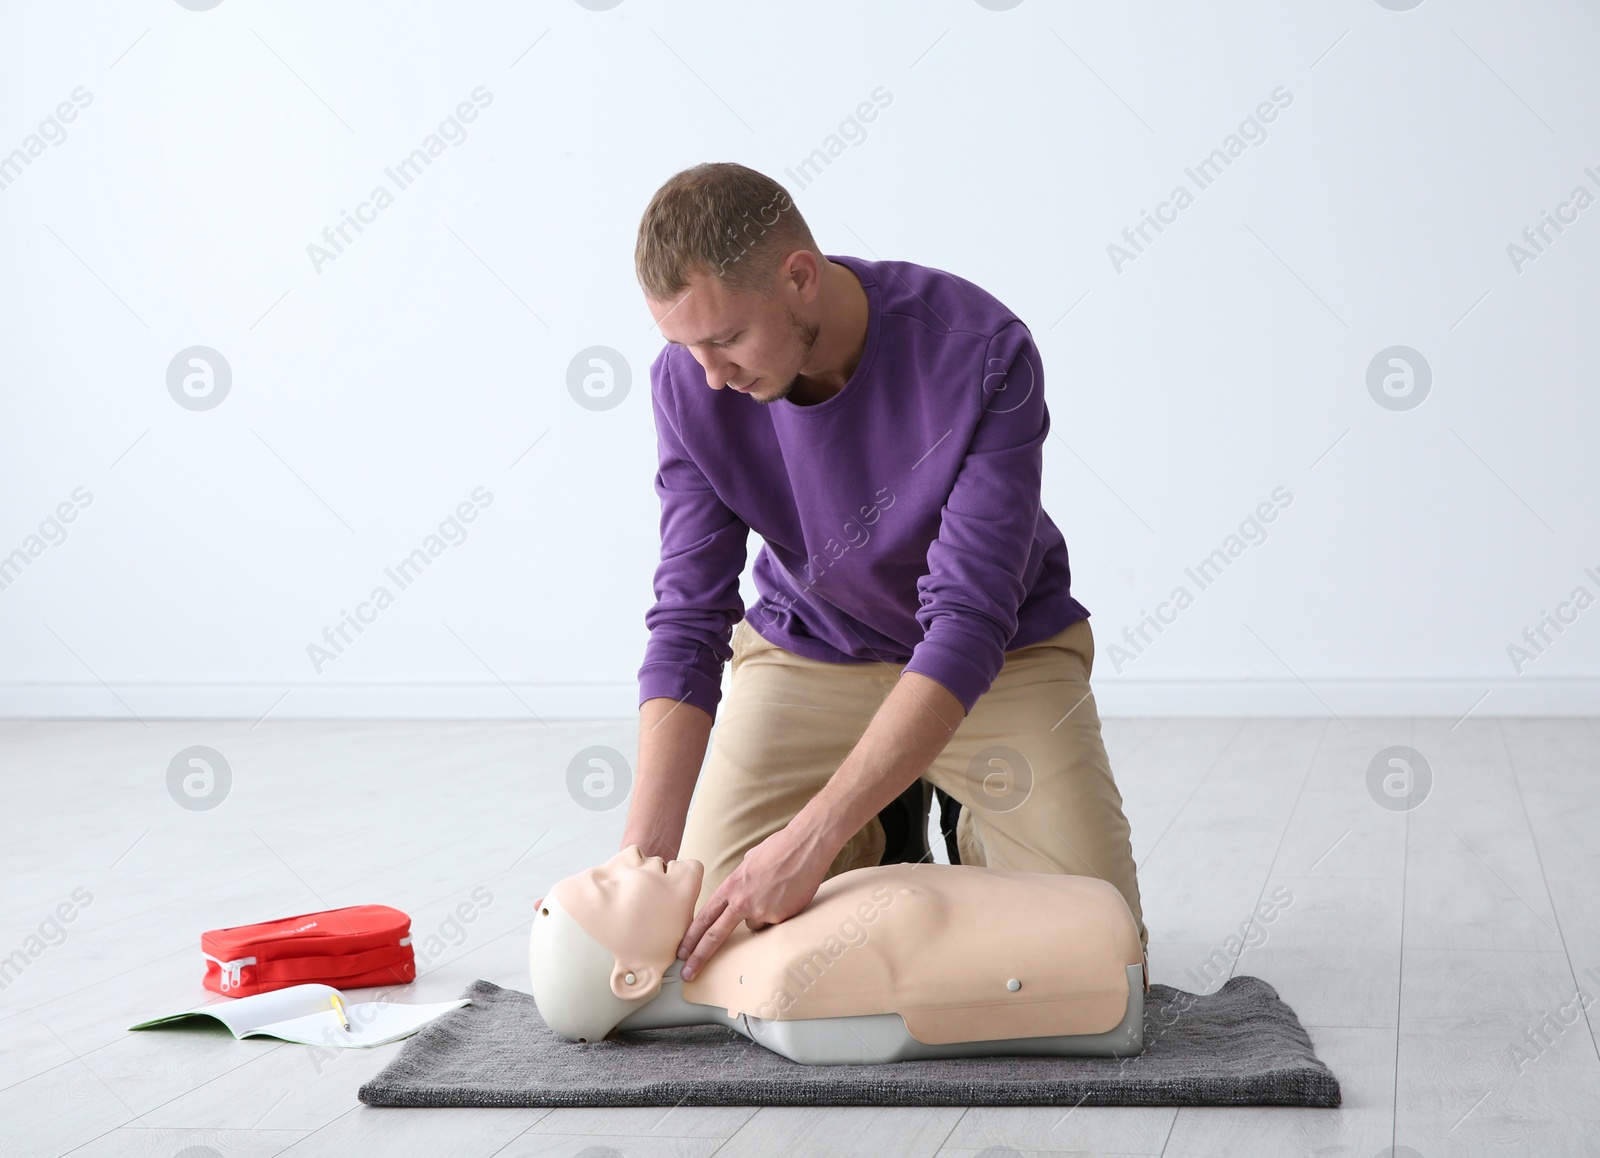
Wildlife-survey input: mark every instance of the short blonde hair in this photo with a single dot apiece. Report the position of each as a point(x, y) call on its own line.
point(720, 218)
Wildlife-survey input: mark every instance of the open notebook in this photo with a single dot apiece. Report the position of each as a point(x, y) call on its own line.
point(305, 1014)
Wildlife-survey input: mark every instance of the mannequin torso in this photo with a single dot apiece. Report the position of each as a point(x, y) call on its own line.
point(885, 963)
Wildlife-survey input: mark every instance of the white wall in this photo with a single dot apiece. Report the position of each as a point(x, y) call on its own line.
point(371, 396)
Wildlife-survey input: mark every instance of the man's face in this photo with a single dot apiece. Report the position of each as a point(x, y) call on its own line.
point(746, 342)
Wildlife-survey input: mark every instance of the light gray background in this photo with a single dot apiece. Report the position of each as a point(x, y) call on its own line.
point(370, 398)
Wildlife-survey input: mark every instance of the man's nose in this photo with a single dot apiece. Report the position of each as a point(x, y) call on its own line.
point(718, 373)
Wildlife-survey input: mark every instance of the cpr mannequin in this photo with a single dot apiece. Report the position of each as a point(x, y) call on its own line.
point(888, 963)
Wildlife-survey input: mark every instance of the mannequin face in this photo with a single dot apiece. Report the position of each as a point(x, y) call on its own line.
point(630, 883)
point(637, 906)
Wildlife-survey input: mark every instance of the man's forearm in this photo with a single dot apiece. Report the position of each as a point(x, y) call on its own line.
point(910, 728)
point(672, 746)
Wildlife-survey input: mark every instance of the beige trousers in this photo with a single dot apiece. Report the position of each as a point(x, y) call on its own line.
point(1027, 764)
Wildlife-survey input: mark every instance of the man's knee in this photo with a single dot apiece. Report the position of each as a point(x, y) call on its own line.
point(1121, 874)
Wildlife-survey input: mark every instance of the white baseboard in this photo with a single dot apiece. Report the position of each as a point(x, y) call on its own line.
point(321, 701)
point(1452, 697)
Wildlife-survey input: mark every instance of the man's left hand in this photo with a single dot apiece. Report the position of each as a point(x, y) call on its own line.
point(776, 879)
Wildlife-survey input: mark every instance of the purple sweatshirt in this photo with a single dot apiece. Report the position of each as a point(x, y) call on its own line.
point(901, 517)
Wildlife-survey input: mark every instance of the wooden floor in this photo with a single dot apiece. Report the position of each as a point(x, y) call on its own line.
point(1441, 957)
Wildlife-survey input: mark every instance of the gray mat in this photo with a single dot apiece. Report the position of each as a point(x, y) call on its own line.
point(1239, 1046)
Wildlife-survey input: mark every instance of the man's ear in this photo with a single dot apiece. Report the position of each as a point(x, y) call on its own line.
point(646, 980)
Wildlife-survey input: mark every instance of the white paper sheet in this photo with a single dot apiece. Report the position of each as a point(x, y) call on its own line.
point(305, 1014)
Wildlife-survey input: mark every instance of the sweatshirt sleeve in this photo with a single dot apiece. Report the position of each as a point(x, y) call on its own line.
point(975, 580)
point(703, 548)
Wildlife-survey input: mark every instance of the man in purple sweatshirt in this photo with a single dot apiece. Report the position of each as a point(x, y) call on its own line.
point(880, 425)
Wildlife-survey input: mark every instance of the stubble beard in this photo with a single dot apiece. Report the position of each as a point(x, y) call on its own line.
point(806, 335)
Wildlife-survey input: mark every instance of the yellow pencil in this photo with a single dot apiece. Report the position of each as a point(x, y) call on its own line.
point(338, 1007)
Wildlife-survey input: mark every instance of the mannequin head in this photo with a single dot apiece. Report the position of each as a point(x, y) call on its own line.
point(603, 939)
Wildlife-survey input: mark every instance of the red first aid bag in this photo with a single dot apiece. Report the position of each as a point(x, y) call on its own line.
point(350, 948)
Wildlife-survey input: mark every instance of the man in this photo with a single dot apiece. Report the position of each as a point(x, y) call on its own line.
point(880, 424)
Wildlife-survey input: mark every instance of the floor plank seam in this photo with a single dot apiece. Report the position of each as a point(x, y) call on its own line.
point(1538, 855)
